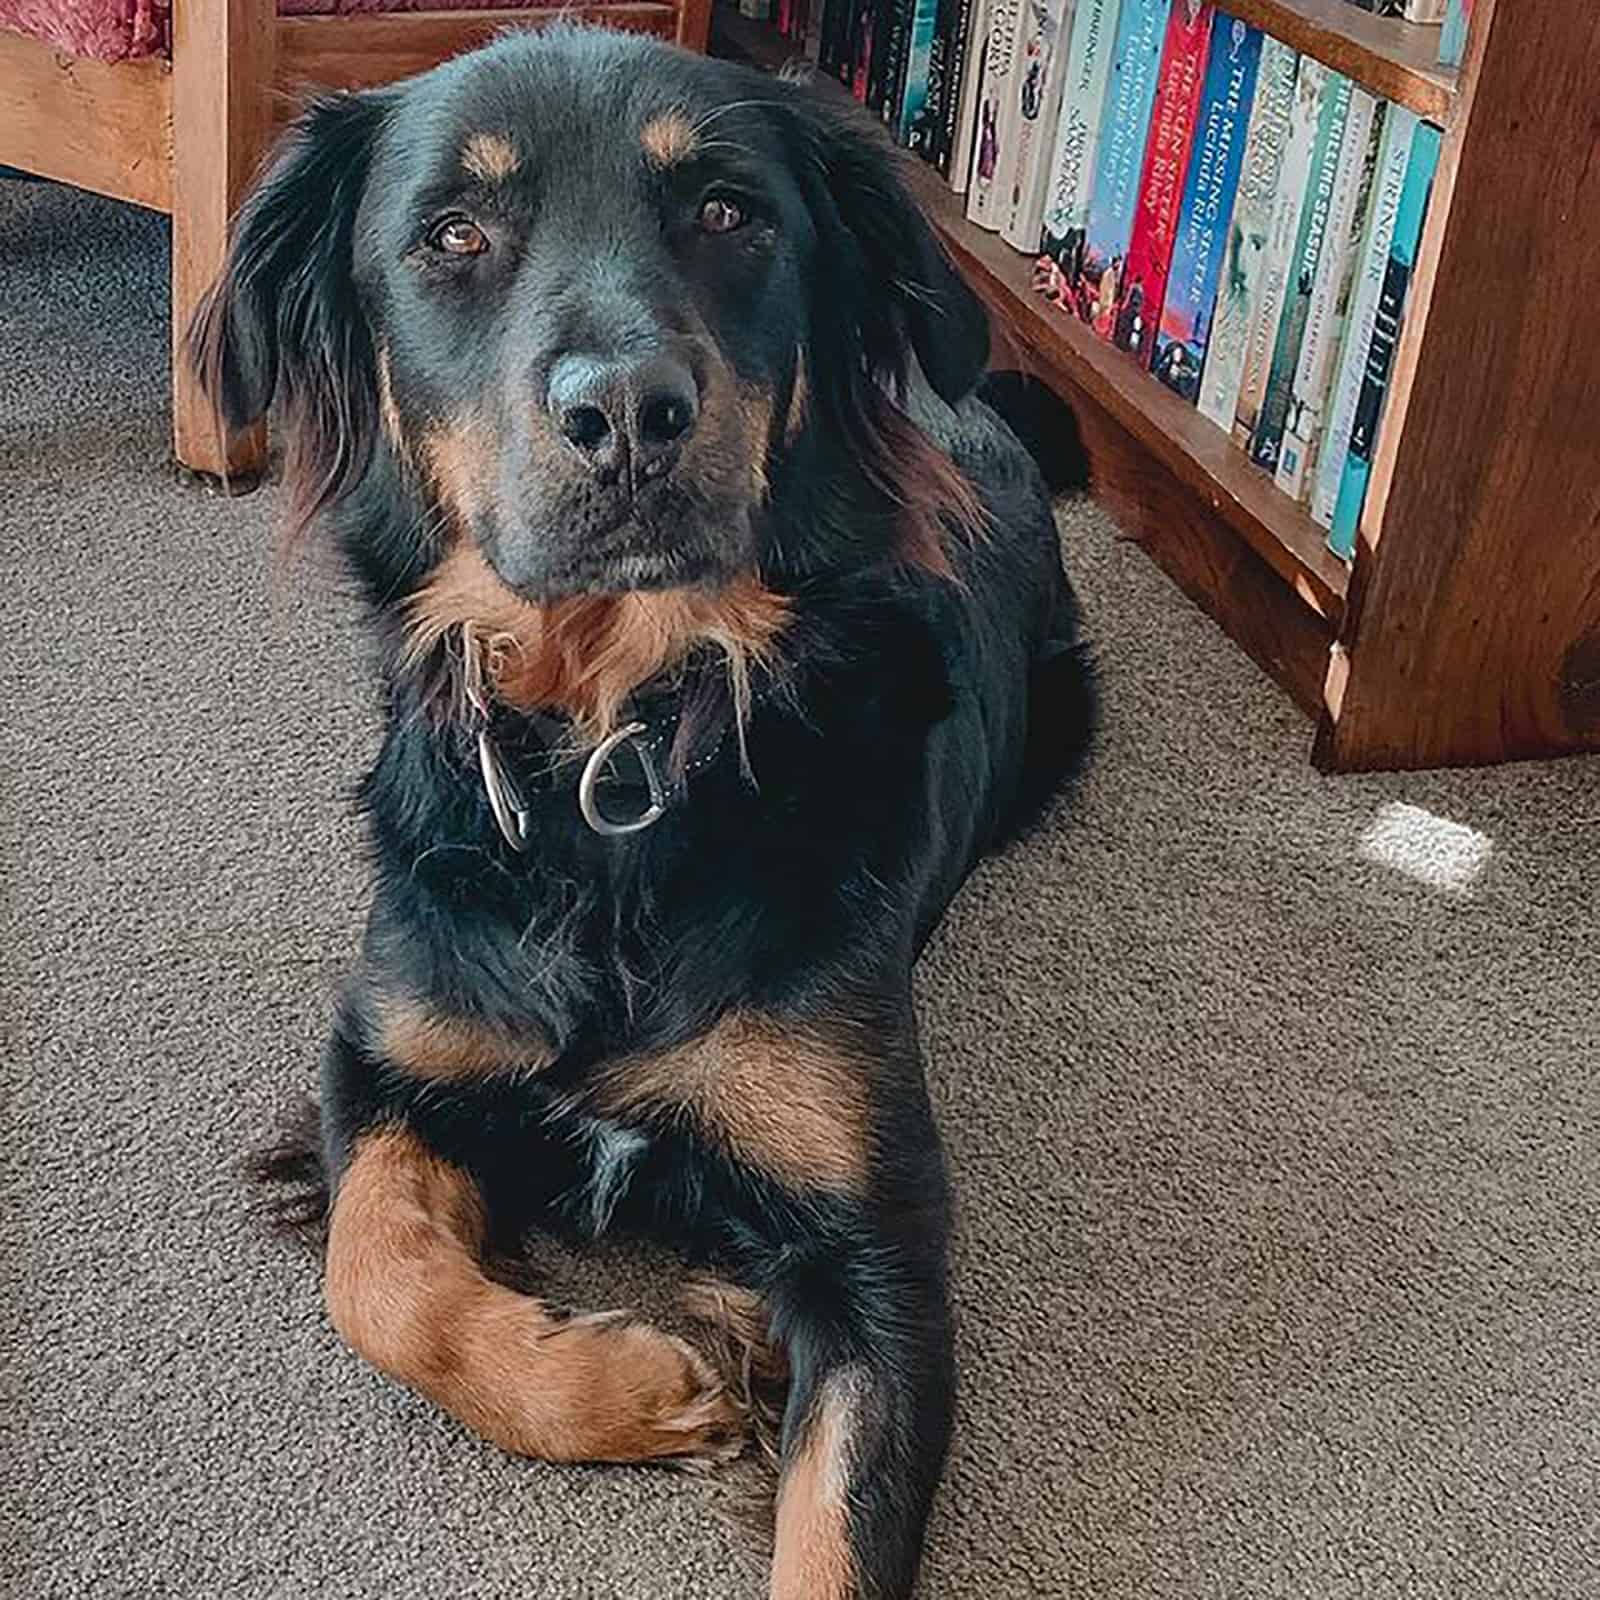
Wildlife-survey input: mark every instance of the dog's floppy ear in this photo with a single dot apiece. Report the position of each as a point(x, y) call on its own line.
point(882, 274)
point(282, 324)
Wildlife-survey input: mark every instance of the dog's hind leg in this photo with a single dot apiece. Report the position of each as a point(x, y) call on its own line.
point(406, 1288)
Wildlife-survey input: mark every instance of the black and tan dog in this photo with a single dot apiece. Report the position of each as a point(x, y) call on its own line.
point(720, 637)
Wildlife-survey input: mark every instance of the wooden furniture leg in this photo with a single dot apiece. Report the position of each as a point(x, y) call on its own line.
point(694, 24)
point(222, 75)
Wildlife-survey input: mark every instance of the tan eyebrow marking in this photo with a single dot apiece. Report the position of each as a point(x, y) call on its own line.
point(668, 139)
point(490, 157)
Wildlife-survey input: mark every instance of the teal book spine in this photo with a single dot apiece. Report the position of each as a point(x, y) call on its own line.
point(1315, 209)
point(1420, 172)
point(1399, 130)
point(912, 130)
point(1453, 37)
point(1330, 297)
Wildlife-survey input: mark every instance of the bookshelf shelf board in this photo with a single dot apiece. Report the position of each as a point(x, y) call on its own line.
point(1196, 452)
point(1396, 60)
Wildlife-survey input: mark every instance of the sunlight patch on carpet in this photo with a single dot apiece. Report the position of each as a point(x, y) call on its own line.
point(1432, 850)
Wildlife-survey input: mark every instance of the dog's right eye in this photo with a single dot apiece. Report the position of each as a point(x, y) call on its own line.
point(458, 236)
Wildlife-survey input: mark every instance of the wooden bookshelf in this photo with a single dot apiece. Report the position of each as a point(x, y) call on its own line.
point(1468, 628)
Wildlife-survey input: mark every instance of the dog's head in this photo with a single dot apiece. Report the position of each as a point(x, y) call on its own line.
point(587, 295)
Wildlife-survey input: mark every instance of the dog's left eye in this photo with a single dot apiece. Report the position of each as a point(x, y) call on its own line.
point(720, 215)
point(456, 236)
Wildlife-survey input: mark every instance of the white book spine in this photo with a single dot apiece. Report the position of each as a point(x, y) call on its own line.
point(1400, 127)
point(991, 142)
point(1041, 72)
point(1329, 294)
point(1077, 134)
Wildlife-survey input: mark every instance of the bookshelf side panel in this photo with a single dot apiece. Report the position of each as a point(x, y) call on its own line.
point(1473, 623)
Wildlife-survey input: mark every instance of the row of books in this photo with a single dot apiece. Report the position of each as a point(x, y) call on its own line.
point(1242, 220)
point(1239, 218)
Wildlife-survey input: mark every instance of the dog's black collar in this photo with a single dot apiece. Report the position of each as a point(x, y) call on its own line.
point(635, 760)
point(603, 769)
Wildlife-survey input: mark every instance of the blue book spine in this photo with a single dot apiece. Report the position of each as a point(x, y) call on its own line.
point(1207, 205)
point(1385, 336)
point(1135, 55)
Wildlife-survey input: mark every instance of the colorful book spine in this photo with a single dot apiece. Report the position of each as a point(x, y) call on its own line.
point(1124, 128)
point(1041, 70)
point(1330, 294)
point(985, 189)
point(1293, 173)
point(1420, 170)
point(1077, 141)
point(1399, 129)
point(1208, 200)
point(1179, 81)
point(1310, 237)
point(964, 99)
point(913, 127)
point(861, 57)
point(1245, 249)
point(926, 143)
point(1294, 177)
point(1453, 40)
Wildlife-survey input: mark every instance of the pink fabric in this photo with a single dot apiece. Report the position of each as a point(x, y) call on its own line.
point(109, 30)
point(114, 30)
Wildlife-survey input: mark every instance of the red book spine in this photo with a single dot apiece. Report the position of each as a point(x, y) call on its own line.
point(1179, 80)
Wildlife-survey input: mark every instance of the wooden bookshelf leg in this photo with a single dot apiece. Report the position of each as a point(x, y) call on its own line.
point(222, 70)
point(694, 24)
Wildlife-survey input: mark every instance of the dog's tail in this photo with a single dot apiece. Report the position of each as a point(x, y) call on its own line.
point(291, 1179)
point(1044, 423)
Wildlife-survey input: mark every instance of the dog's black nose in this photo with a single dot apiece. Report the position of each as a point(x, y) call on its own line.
point(621, 411)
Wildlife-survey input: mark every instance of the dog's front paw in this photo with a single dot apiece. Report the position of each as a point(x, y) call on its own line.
point(647, 1395)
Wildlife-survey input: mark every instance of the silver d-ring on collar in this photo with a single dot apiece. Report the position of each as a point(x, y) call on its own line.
point(595, 765)
point(506, 800)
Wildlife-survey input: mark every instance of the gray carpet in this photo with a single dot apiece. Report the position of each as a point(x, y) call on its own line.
point(1271, 1101)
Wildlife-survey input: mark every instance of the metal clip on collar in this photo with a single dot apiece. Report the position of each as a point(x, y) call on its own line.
point(595, 766)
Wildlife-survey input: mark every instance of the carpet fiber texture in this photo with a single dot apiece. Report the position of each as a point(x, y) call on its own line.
point(1271, 1101)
